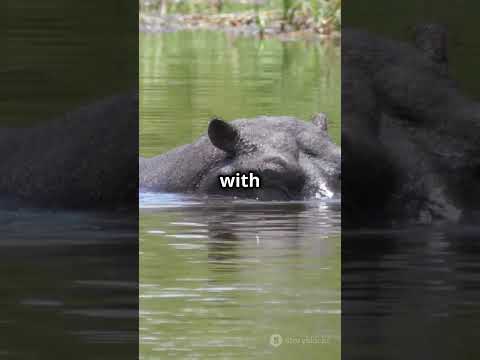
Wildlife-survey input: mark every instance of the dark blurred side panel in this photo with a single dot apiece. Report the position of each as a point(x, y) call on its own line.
point(69, 179)
point(410, 179)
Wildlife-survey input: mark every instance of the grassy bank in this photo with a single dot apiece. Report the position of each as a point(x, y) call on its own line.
point(262, 17)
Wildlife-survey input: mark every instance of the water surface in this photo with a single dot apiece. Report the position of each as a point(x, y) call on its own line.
point(69, 281)
point(411, 293)
point(219, 278)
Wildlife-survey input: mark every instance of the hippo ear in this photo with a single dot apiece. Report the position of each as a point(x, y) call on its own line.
point(432, 40)
point(320, 120)
point(223, 135)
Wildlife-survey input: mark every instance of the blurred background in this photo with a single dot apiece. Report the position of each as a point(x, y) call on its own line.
point(321, 16)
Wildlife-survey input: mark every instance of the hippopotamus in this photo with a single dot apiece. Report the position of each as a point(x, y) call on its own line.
point(85, 159)
point(409, 135)
point(294, 160)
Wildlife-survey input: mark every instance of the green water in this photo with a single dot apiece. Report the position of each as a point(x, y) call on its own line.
point(218, 278)
point(187, 77)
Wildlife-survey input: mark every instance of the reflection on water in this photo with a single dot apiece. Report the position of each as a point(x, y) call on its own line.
point(69, 281)
point(219, 277)
point(411, 293)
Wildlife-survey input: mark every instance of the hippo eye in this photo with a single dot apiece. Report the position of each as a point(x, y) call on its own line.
point(309, 152)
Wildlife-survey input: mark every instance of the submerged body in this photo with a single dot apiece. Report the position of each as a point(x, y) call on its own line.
point(293, 160)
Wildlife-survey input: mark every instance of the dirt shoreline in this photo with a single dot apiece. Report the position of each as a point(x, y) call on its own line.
point(267, 24)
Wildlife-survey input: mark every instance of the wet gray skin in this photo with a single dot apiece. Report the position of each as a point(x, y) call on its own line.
point(410, 136)
point(293, 159)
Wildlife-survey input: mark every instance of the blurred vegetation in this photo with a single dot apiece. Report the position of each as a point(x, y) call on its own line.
point(325, 11)
point(461, 22)
point(48, 66)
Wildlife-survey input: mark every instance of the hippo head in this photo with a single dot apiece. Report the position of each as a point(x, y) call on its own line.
point(293, 159)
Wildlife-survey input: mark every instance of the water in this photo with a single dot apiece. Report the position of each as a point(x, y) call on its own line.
point(219, 278)
point(411, 293)
point(222, 278)
point(69, 281)
point(187, 77)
